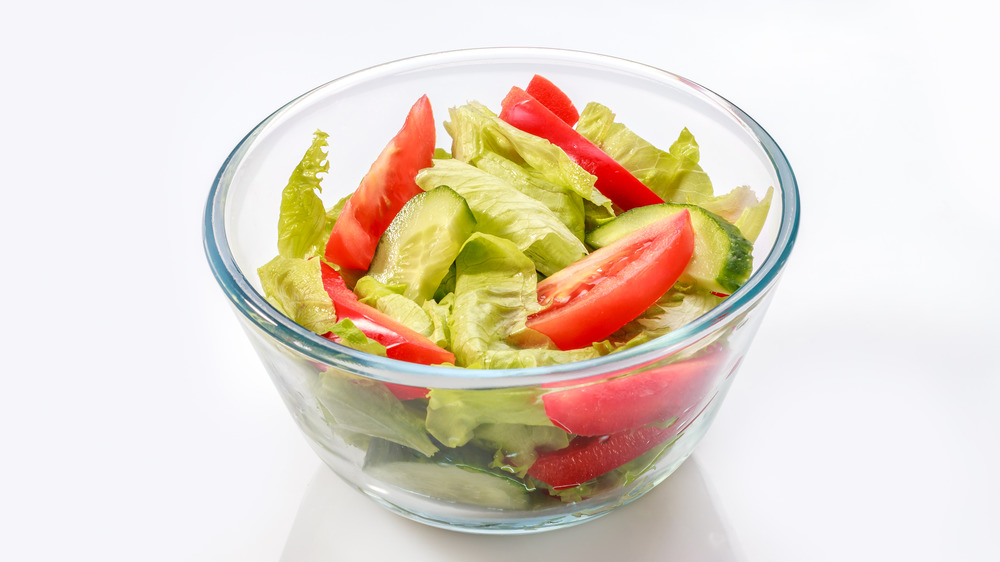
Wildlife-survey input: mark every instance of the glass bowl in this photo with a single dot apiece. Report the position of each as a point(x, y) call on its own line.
point(338, 396)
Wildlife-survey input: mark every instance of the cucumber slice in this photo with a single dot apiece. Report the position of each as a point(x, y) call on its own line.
point(722, 261)
point(453, 483)
point(445, 478)
point(422, 242)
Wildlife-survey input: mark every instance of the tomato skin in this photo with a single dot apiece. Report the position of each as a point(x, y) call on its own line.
point(587, 458)
point(590, 299)
point(387, 186)
point(637, 399)
point(615, 182)
point(400, 341)
point(549, 95)
point(404, 392)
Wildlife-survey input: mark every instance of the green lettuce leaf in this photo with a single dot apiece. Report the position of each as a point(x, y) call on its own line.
point(674, 175)
point(595, 215)
point(679, 306)
point(566, 205)
point(439, 313)
point(475, 131)
point(366, 406)
point(503, 211)
point(369, 290)
point(742, 208)
point(295, 287)
point(303, 225)
point(390, 300)
point(731, 205)
point(351, 336)
point(495, 292)
point(447, 284)
point(453, 415)
point(753, 217)
point(517, 445)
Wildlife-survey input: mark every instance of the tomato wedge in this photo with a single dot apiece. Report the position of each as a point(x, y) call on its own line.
point(400, 342)
point(587, 458)
point(388, 185)
point(528, 114)
point(590, 299)
point(549, 95)
point(635, 400)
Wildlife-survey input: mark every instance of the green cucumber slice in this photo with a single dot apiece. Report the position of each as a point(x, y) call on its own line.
point(422, 242)
point(453, 479)
point(453, 483)
point(722, 259)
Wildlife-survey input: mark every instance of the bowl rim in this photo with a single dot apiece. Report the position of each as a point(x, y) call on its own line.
point(254, 307)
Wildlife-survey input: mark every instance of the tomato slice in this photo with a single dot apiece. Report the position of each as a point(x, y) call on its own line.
point(549, 95)
point(400, 342)
point(615, 182)
point(587, 458)
point(635, 400)
point(590, 299)
point(389, 183)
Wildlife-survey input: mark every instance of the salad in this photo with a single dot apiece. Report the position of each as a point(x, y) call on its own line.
point(543, 235)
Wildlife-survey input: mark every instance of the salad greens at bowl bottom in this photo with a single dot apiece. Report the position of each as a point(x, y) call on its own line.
point(544, 236)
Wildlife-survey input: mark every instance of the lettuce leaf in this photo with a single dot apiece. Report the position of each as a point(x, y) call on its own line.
point(679, 306)
point(390, 300)
point(674, 175)
point(516, 445)
point(303, 225)
point(475, 131)
point(742, 208)
point(566, 205)
point(351, 336)
point(753, 217)
point(366, 406)
point(439, 313)
point(503, 211)
point(295, 287)
point(495, 292)
point(454, 414)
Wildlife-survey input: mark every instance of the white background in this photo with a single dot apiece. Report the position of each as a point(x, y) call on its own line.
point(136, 423)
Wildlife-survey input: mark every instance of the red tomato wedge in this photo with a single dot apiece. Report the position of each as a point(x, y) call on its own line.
point(639, 399)
point(590, 299)
point(400, 342)
point(587, 458)
point(549, 95)
point(388, 185)
point(528, 114)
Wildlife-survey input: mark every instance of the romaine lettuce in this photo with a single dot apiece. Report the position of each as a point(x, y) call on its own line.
point(453, 414)
point(674, 175)
point(475, 131)
point(366, 406)
point(303, 224)
point(494, 295)
point(566, 205)
point(295, 287)
point(503, 211)
point(390, 300)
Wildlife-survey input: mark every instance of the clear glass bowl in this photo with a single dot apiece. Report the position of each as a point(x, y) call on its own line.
point(317, 378)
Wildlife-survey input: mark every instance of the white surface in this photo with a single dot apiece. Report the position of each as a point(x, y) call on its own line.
point(136, 424)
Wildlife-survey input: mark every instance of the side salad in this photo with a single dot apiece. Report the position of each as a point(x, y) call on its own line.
point(545, 235)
